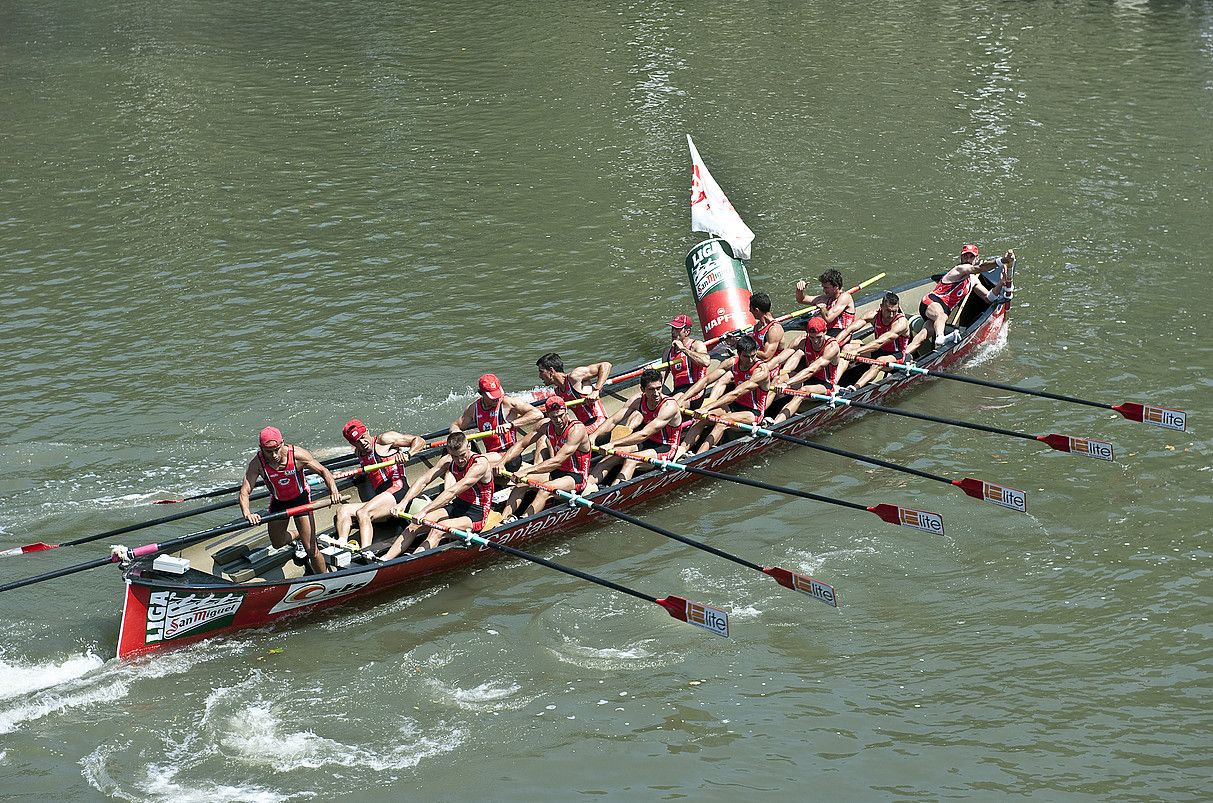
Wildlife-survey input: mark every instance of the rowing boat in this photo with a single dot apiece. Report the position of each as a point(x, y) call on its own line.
point(238, 581)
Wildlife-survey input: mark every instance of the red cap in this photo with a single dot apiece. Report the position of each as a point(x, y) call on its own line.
point(817, 325)
point(270, 435)
point(680, 321)
point(552, 403)
point(969, 249)
point(353, 430)
point(491, 385)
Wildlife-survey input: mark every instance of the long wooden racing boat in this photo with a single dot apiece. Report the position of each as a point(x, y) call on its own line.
point(237, 581)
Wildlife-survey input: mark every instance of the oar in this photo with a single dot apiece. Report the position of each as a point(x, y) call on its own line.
point(1087, 447)
point(333, 462)
point(130, 528)
point(120, 554)
point(906, 517)
point(797, 582)
point(1164, 417)
point(713, 620)
point(791, 315)
point(1000, 495)
point(656, 366)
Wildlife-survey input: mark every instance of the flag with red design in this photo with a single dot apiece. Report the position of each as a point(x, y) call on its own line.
point(711, 211)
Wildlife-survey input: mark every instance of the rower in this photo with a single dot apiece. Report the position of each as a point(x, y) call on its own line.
point(463, 503)
point(823, 366)
point(688, 359)
point(834, 306)
point(767, 331)
point(952, 288)
point(740, 387)
point(890, 335)
point(566, 465)
point(281, 466)
point(388, 484)
point(494, 411)
point(656, 424)
point(583, 382)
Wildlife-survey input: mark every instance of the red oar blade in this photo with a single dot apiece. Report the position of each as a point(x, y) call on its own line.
point(923, 520)
point(713, 620)
point(21, 550)
point(1164, 417)
point(1001, 495)
point(816, 589)
point(1087, 447)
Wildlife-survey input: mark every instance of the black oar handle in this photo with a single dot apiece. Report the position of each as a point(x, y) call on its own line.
point(619, 514)
point(880, 408)
point(162, 520)
point(876, 461)
point(766, 486)
point(1016, 389)
point(509, 550)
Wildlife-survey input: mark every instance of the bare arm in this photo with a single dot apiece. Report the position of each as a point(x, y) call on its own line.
point(828, 356)
point(465, 420)
point(480, 472)
point(599, 371)
point(773, 344)
point(859, 323)
point(520, 446)
point(316, 467)
point(840, 305)
point(759, 379)
point(667, 415)
point(421, 483)
point(576, 436)
point(246, 488)
point(521, 414)
point(708, 378)
point(408, 443)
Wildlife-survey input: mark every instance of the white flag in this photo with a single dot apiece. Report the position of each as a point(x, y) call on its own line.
point(711, 211)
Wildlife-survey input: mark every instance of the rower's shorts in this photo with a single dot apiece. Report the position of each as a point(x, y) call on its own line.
point(461, 508)
point(577, 476)
point(656, 446)
point(922, 305)
point(738, 407)
point(277, 506)
point(398, 490)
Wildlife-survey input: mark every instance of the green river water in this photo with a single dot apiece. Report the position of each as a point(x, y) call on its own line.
point(215, 216)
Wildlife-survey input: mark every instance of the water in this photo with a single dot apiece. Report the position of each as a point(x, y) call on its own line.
point(217, 216)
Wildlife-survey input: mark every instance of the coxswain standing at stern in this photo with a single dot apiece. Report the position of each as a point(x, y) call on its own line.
point(462, 504)
point(656, 424)
point(584, 382)
point(740, 388)
point(281, 466)
point(496, 412)
point(688, 360)
point(952, 288)
point(388, 483)
point(566, 465)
